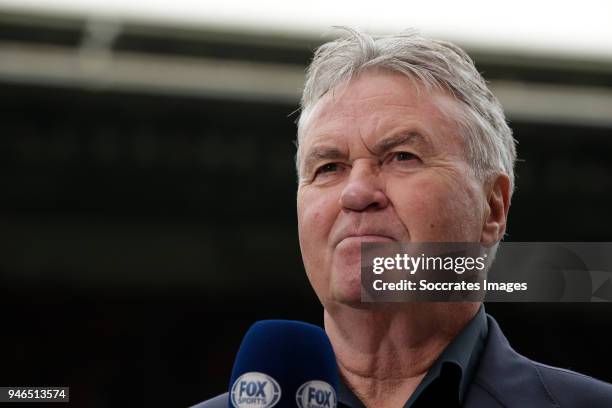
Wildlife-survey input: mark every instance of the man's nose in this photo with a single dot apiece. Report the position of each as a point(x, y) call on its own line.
point(364, 189)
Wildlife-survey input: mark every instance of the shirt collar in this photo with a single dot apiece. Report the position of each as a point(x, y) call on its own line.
point(462, 353)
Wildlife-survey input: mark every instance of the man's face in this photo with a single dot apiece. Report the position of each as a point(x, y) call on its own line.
point(380, 163)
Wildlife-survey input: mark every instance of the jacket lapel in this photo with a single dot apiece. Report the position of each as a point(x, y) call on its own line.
point(504, 378)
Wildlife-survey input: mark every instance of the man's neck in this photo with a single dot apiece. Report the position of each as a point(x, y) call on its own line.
point(384, 352)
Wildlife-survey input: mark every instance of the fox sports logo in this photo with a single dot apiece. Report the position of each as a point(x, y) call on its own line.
point(316, 394)
point(255, 390)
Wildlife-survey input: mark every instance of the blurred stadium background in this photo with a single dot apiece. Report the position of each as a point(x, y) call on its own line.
point(148, 192)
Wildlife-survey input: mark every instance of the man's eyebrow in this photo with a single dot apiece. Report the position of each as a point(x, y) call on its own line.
point(320, 153)
point(389, 143)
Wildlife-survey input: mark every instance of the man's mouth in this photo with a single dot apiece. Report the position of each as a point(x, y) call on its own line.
point(365, 238)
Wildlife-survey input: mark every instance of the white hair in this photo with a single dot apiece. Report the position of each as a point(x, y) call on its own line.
point(435, 64)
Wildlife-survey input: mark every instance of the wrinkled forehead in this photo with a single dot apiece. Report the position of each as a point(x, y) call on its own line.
point(379, 102)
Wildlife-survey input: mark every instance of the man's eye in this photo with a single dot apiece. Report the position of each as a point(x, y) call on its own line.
point(327, 168)
point(403, 156)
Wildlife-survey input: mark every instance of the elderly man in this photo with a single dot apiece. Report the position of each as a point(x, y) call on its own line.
point(400, 140)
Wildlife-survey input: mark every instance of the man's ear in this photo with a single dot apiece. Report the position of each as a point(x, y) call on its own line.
point(497, 191)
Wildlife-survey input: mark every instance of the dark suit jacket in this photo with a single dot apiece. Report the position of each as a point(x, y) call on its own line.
point(505, 379)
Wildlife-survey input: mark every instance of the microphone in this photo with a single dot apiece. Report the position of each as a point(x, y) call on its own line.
point(283, 364)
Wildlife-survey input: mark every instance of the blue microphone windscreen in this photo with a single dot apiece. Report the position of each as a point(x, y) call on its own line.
point(284, 363)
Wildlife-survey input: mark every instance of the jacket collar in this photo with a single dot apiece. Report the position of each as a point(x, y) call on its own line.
point(509, 378)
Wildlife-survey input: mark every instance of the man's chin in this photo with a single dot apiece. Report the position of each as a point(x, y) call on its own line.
point(349, 296)
point(354, 302)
